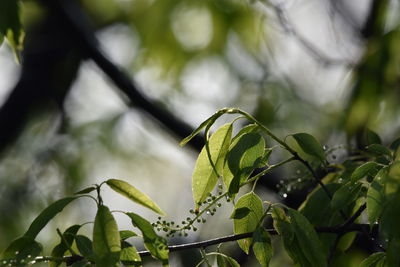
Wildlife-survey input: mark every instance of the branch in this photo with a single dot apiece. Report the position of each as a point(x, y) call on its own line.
point(314, 51)
point(78, 24)
point(69, 260)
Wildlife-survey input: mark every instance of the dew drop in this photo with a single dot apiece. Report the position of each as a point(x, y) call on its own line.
point(299, 180)
point(284, 195)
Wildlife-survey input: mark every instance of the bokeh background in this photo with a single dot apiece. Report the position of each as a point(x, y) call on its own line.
point(297, 66)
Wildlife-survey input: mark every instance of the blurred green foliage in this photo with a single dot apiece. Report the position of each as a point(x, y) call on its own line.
point(174, 35)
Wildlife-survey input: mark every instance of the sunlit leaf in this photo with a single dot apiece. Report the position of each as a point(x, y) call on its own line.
point(251, 128)
point(205, 174)
point(129, 255)
point(125, 234)
point(84, 245)
point(368, 168)
point(65, 243)
point(308, 239)
point(133, 194)
point(244, 155)
point(376, 196)
point(224, 260)
point(46, 215)
point(204, 124)
point(375, 260)
point(249, 222)
point(346, 195)
point(392, 185)
point(346, 241)
point(310, 145)
point(106, 240)
point(156, 244)
point(262, 246)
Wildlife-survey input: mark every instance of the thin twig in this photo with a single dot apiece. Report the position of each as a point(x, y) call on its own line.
point(202, 244)
point(315, 52)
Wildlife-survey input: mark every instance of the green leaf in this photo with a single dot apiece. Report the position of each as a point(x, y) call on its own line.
point(374, 260)
point(129, 255)
point(390, 220)
point(125, 234)
point(395, 144)
point(346, 195)
point(245, 154)
point(46, 215)
point(368, 168)
point(370, 137)
point(240, 213)
point(106, 241)
point(392, 253)
point(249, 222)
point(262, 246)
point(204, 124)
point(65, 243)
point(81, 263)
point(23, 248)
point(376, 196)
point(286, 230)
point(156, 245)
point(223, 260)
point(133, 194)
point(310, 244)
point(10, 25)
point(310, 145)
point(346, 241)
point(378, 150)
point(317, 208)
point(85, 190)
point(205, 174)
point(392, 185)
point(84, 245)
point(251, 128)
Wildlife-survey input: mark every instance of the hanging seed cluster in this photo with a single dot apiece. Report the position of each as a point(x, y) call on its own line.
point(207, 207)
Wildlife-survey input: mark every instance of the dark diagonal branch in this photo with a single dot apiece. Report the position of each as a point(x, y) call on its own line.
point(78, 24)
